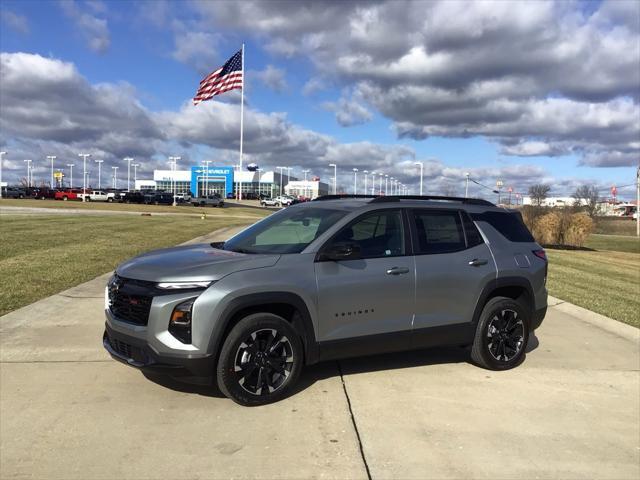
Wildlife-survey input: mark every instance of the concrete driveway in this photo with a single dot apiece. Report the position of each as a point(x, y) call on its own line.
point(572, 410)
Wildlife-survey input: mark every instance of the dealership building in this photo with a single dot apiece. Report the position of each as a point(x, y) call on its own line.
point(226, 180)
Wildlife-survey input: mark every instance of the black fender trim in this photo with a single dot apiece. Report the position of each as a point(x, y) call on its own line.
point(302, 323)
point(502, 282)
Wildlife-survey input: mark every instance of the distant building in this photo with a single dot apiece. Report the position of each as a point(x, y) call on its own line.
point(308, 189)
point(552, 201)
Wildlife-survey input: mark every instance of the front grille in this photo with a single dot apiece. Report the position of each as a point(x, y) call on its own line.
point(128, 351)
point(130, 300)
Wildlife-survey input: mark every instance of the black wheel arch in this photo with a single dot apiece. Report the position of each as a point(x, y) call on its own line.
point(287, 305)
point(516, 288)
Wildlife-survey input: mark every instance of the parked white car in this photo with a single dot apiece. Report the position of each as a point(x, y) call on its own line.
point(98, 196)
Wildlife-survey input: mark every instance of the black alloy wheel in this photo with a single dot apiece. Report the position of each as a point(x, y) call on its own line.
point(505, 335)
point(260, 360)
point(501, 335)
point(263, 361)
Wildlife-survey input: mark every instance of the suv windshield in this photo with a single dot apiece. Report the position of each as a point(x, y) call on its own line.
point(288, 231)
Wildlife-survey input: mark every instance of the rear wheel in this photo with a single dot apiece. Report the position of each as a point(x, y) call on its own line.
point(501, 335)
point(65, 198)
point(260, 360)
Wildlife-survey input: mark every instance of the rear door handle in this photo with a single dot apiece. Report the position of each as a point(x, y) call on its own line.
point(476, 262)
point(397, 271)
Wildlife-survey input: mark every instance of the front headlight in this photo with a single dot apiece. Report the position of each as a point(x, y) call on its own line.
point(180, 321)
point(183, 285)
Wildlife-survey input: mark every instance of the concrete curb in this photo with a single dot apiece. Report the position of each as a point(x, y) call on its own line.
point(605, 323)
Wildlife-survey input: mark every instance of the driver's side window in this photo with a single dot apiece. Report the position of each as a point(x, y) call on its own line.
point(377, 234)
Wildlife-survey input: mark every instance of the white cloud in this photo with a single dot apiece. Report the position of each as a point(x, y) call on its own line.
point(94, 29)
point(273, 77)
point(13, 20)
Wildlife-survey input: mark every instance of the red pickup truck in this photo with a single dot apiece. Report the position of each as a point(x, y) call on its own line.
point(71, 194)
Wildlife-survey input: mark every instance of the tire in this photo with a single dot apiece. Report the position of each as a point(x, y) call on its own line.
point(65, 198)
point(501, 335)
point(42, 197)
point(20, 196)
point(263, 383)
point(109, 200)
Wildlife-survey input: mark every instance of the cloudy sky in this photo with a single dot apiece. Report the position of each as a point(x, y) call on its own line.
point(526, 92)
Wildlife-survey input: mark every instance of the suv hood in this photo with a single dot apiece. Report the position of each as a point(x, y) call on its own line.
point(196, 263)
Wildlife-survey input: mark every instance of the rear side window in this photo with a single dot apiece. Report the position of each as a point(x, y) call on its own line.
point(473, 235)
point(510, 225)
point(438, 231)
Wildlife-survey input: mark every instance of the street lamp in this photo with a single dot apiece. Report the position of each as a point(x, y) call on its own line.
point(281, 171)
point(115, 177)
point(386, 184)
point(421, 174)
point(373, 182)
point(99, 162)
point(499, 185)
point(1, 155)
point(381, 176)
point(391, 185)
point(365, 181)
point(206, 178)
point(174, 167)
point(70, 165)
point(28, 172)
point(466, 188)
point(288, 176)
point(355, 181)
point(84, 175)
point(128, 160)
point(335, 178)
point(52, 158)
point(135, 173)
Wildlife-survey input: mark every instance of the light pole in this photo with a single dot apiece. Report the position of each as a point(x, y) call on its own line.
point(206, 178)
point(1, 155)
point(281, 172)
point(373, 183)
point(365, 181)
point(386, 184)
point(135, 173)
point(115, 177)
point(335, 178)
point(70, 165)
point(28, 172)
point(128, 160)
point(499, 185)
point(84, 174)
point(288, 176)
point(174, 167)
point(421, 174)
point(52, 158)
point(99, 162)
point(381, 176)
point(391, 184)
point(466, 188)
point(355, 181)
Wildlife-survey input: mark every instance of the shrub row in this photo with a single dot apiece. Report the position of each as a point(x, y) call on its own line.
point(558, 226)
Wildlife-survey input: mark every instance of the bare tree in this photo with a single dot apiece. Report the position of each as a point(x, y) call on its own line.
point(586, 196)
point(538, 193)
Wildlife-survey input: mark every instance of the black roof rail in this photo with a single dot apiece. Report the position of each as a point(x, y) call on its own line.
point(397, 198)
point(341, 197)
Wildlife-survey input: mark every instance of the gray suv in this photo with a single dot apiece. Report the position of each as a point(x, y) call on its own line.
point(328, 279)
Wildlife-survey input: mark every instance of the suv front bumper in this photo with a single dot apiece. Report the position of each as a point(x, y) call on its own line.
point(139, 354)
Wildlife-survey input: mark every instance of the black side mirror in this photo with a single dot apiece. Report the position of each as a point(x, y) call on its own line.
point(341, 251)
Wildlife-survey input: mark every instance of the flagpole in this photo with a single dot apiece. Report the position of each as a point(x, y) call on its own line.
point(241, 129)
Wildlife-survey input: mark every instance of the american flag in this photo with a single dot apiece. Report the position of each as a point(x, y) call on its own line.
point(225, 78)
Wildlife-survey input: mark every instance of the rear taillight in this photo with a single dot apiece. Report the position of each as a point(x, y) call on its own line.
point(540, 254)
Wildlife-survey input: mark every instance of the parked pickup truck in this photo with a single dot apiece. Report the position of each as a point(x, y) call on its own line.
point(98, 196)
point(13, 192)
point(133, 197)
point(70, 194)
point(209, 200)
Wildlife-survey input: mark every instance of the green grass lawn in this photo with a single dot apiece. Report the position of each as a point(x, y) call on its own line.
point(43, 255)
point(133, 207)
point(606, 281)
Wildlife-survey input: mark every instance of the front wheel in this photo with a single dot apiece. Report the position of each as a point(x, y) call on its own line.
point(501, 335)
point(260, 360)
point(109, 200)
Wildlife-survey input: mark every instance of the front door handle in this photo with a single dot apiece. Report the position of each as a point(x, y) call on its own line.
point(476, 262)
point(397, 271)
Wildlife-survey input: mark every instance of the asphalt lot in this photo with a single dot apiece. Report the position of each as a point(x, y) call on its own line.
point(572, 410)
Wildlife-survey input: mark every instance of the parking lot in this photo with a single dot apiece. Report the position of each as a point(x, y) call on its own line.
point(69, 411)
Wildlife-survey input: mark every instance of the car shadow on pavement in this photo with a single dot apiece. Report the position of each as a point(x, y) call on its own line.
point(321, 371)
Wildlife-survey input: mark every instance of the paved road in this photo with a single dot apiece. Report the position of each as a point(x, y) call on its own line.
point(67, 410)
